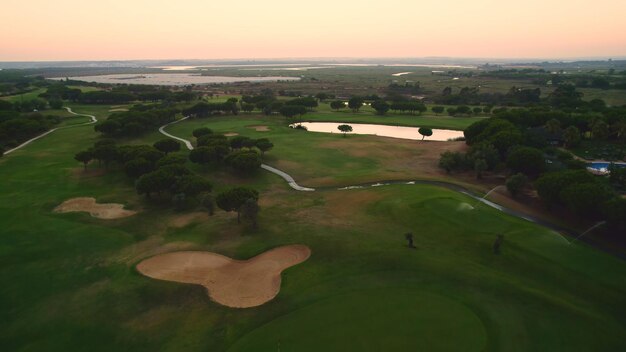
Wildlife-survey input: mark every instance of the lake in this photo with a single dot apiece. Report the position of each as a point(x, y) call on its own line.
point(382, 130)
point(173, 79)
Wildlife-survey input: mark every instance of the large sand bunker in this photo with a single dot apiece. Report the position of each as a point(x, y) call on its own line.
point(233, 283)
point(88, 204)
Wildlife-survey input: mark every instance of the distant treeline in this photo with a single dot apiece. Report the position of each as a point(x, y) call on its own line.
point(612, 79)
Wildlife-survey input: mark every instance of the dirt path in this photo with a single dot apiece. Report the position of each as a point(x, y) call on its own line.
point(230, 282)
point(93, 120)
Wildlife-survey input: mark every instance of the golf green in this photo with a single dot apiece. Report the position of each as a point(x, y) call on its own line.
point(361, 321)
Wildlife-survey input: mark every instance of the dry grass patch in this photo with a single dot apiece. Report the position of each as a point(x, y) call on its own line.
point(186, 219)
point(260, 128)
point(233, 283)
point(105, 211)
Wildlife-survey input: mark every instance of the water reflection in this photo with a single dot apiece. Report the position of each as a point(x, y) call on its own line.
point(382, 130)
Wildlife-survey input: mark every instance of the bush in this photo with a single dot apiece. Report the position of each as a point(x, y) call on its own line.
point(527, 160)
point(516, 183)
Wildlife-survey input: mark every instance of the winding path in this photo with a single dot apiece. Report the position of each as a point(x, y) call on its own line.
point(93, 120)
point(448, 185)
point(280, 173)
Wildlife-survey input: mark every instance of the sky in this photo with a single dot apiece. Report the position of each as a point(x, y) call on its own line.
point(44, 30)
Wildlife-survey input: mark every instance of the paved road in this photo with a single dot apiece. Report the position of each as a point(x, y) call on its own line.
point(280, 173)
point(93, 120)
point(448, 185)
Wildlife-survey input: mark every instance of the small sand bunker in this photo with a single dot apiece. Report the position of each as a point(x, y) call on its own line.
point(87, 204)
point(118, 110)
point(233, 283)
point(260, 128)
point(231, 134)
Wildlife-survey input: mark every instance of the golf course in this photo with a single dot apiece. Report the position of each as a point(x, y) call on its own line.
point(74, 281)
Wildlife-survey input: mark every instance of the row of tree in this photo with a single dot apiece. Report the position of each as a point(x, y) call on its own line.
point(160, 173)
point(121, 94)
point(523, 142)
point(140, 119)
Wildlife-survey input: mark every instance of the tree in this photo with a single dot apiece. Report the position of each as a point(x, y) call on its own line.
point(585, 198)
point(264, 145)
point(167, 145)
point(105, 153)
point(56, 103)
point(451, 161)
point(208, 202)
point(355, 103)
point(485, 151)
point(192, 185)
point(155, 181)
point(337, 105)
point(553, 126)
point(247, 107)
point(600, 130)
point(480, 166)
point(550, 185)
point(380, 106)
point(172, 159)
point(234, 198)
point(425, 132)
point(84, 157)
point(516, 183)
point(438, 109)
point(250, 211)
point(137, 167)
point(201, 155)
point(477, 110)
point(244, 161)
point(571, 136)
point(202, 131)
point(344, 129)
point(291, 111)
point(322, 96)
point(527, 160)
point(238, 142)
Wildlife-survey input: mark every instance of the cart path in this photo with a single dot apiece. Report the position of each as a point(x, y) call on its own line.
point(93, 120)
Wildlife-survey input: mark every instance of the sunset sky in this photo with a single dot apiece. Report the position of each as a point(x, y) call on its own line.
point(204, 29)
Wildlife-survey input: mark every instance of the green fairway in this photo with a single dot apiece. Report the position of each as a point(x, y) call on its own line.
point(69, 281)
point(419, 322)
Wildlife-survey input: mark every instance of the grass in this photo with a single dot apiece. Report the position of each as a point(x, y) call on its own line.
point(69, 283)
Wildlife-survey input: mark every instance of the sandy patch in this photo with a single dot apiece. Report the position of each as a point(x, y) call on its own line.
point(101, 211)
point(260, 128)
point(231, 134)
point(233, 283)
point(118, 110)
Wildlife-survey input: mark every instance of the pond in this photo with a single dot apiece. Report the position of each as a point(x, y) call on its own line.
point(173, 79)
point(381, 130)
point(603, 166)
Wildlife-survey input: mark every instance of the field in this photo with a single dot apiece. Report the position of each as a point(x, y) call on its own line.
point(70, 282)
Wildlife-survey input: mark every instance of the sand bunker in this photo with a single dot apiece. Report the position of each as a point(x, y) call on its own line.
point(118, 110)
point(233, 283)
point(260, 128)
point(231, 134)
point(89, 205)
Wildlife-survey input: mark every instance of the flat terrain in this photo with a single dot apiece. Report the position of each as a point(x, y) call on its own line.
point(69, 281)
